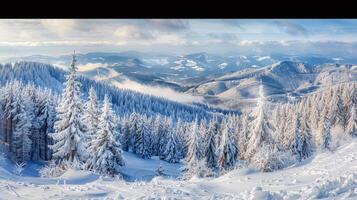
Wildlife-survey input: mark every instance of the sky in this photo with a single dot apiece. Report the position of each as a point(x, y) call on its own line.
point(334, 37)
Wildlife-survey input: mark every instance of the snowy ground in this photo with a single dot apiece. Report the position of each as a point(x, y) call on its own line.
point(331, 175)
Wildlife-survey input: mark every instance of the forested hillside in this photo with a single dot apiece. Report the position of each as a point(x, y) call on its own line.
point(80, 130)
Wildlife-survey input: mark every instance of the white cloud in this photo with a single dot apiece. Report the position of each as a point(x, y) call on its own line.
point(134, 34)
point(248, 42)
point(54, 43)
point(61, 27)
point(130, 32)
point(170, 39)
point(170, 24)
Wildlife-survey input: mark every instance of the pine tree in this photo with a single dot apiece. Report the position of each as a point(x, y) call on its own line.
point(296, 137)
point(340, 112)
point(172, 153)
point(47, 114)
point(107, 157)
point(260, 128)
point(133, 130)
point(164, 136)
point(228, 150)
point(143, 139)
point(125, 133)
point(90, 116)
point(21, 137)
point(68, 138)
point(212, 146)
point(307, 148)
point(194, 151)
point(243, 136)
point(202, 133)
point(326, 134)
point(351, 128)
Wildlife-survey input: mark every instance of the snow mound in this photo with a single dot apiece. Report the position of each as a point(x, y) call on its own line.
point(72, 176)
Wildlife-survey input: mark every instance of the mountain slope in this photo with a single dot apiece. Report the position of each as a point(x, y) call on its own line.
point(281, 81)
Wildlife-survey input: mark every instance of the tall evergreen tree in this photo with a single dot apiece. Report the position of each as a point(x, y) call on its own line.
point(228, 150)
point(194, 151)
point(21, 137)
point(90, 116)
point(351, 128)
point(107, 157)
point(212, 145)
point(68, 138)
point(243, 136)
point(47, 114)
point(143, 139)
point(172, 153)
point(326, 134)
point(260, 129)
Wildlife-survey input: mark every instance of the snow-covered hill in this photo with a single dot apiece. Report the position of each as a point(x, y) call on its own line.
point(281, 80)
point(327, 175)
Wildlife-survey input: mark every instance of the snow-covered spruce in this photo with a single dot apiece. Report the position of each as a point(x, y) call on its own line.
point(91, 115)
point(69, 137)
point(107, 155)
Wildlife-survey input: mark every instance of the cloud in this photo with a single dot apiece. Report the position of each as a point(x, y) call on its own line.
point(55, 43)
point(135, 34)
point(61, 27)
point(164, 92)
point(223, 36)
point(248, 42)
point(169, 24)
point(291, 28)
point(232, 22)
point(131, 32)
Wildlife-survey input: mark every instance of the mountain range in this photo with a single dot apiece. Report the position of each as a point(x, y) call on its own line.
point(226, 81)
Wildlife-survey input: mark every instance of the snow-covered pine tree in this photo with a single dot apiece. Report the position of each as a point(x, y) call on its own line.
point(47, 114)
point(182, 130)
point(341, 118)
point(295, 135)
point(156, 129)
point(202, 133)
point(107, 155)
point(21, 136)
point(243, 136)
point(143, 139)
point(212, 145)
point(351, 128)
point(125, 133)
point(7, 99)
point(260, 129)
point(91, 115)
point(172, 153)
point(134, 129)
point(228, 151)
point(194, 153)
point(325, 139)
point(164, 135)
point(32, 107)
point(68, 138)
point(307, 147)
